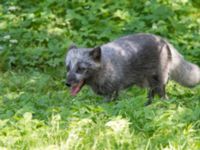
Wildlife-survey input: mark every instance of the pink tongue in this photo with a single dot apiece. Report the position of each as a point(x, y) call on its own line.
point(75, 90)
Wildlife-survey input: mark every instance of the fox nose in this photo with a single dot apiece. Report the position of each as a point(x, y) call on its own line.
point(67, 84)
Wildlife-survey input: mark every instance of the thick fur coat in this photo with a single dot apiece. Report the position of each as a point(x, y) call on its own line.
point(144, 60)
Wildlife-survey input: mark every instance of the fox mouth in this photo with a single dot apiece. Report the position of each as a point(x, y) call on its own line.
point(75, 88)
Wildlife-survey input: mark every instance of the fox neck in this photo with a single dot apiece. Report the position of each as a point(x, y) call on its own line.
point(94, 78)
point(101, 83)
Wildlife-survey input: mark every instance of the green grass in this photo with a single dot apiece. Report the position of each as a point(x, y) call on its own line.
point(37, 112)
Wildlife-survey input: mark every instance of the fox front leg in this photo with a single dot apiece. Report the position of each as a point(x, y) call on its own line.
point(107, 98)
point(111, 97)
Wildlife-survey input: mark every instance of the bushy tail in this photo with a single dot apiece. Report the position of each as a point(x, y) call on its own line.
point(182, 71)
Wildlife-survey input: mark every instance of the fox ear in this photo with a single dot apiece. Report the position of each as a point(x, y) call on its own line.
point(73, 46)
point(96, 53)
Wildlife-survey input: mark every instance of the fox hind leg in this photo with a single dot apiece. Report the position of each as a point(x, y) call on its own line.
point(160, 90)
point(156, 87)
point(150, 96)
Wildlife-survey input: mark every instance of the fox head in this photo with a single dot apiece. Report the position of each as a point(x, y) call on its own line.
point(81, 65)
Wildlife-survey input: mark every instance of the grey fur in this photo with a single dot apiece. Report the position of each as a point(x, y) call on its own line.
point(144, 60)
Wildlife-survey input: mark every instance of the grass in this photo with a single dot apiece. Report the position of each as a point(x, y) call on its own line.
point(36, 109)
point(37, 112)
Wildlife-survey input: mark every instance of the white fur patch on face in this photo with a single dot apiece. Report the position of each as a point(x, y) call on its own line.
point(72, 59)
point(79, 76)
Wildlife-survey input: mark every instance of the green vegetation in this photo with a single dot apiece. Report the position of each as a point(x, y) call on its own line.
point(36, 109)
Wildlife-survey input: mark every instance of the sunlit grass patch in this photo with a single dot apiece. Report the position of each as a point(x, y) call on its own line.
point(37, 112)
point(36, 109)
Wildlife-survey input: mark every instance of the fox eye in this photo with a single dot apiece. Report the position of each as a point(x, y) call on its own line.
point(81, 69)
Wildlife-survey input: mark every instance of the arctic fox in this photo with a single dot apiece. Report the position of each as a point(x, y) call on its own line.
point(145, 60)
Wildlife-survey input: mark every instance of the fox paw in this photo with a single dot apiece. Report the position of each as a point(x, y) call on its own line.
point(147, 103)
point(107, 100)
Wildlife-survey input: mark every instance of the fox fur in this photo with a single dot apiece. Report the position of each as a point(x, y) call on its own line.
point(145, 60)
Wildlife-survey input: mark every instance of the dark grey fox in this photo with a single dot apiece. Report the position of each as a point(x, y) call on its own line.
point(145, 60)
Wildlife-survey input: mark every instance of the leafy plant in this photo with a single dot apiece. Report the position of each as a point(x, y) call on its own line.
point(36, 110)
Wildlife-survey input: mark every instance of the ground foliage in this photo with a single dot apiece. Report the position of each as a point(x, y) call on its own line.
point(36, 110)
